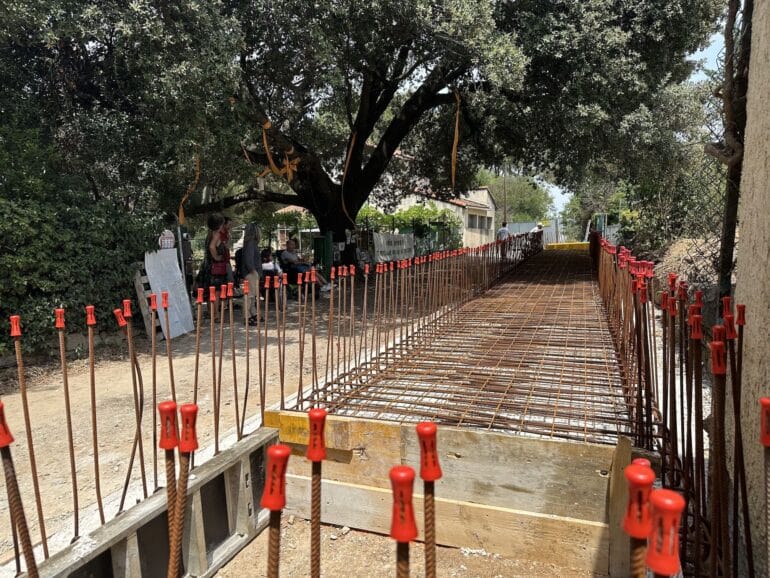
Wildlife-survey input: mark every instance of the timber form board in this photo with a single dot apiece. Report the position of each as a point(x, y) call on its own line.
point(532, 499)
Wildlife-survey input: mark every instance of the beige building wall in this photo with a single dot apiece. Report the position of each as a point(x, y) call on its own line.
point(753, 276)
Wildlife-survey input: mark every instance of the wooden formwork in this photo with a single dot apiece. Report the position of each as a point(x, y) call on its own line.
point(531, 499)
point(222, 517)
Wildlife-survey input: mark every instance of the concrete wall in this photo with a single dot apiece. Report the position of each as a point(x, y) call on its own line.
point(753, 279)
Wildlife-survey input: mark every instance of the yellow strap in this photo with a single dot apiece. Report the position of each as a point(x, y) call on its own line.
point(190, 189)
point(456, 140)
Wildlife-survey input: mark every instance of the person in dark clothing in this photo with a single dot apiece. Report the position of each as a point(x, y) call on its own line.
point(251, 266)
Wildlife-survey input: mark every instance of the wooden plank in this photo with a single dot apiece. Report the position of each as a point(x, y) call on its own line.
point(358, 450)
point(620, 543)
point(516, 533)
point(541, 476)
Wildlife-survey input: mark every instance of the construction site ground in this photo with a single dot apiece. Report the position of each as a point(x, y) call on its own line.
point(552, 304)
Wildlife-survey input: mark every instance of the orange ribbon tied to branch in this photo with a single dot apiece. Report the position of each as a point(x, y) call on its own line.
point(456, 142)
point(289, 168)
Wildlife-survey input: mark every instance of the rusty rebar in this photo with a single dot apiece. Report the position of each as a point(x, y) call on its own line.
point(30, 445)
point(70, 441)
point(638, 558)
point(94, 424)
point(430, 529)
point(315, 520)
point(274, 544)
point(175, 549)
point(402, 559)
point(17, 511)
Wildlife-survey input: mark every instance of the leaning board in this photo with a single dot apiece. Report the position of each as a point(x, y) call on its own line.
point(164, 275)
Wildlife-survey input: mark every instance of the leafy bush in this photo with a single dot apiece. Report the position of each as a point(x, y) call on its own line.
point(59, 246)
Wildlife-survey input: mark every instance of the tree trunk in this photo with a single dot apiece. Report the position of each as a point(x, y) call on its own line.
point(729, 225)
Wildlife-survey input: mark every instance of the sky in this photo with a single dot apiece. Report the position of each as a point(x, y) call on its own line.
point(710, 57)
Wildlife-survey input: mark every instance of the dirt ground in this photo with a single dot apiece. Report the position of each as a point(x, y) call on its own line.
point(346, 552)
point(117, 423)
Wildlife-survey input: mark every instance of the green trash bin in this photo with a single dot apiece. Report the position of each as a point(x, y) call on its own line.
point(322, 251)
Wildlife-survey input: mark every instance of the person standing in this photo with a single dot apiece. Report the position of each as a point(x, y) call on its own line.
point(503, 235)
point(251, 267)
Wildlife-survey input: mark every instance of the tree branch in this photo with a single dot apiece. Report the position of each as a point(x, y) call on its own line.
point(250, 194)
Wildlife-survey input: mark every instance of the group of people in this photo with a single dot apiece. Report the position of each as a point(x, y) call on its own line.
point(254, 264)
point(504, 234)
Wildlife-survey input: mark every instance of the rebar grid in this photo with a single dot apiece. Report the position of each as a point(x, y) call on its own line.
point(532, 355)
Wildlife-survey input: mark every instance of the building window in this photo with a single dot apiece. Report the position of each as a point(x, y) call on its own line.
point(471, 221)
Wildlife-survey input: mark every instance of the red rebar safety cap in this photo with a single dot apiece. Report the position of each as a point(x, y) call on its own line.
point(127, 308)
point(316, 444)
point(718, 358)
point(119, 318)
point(764, 420)
point(59, 312)
point(276, 281)
point(199, 296)
point(730, 332)
point(672, 277)
point(699, 298)
point(641, 462)
point(696, 327)
point(717, 332)
point(212, 294)
point(168, 436)
point(153, 302)
point(15, 326)
point(223, 291)
point(229, 289)
point(727, 305)
point(274, 495)
point(403, 527)
point(6, 438)
point(663, 543)
point(740, 320)
point(90, 315)
point(188, 442)
point(430, 469)
point(637, 522)
point(164, 299)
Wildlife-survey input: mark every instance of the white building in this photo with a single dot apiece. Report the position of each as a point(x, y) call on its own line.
point(476, 211)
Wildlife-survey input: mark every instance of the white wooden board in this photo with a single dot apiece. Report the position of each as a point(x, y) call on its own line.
point(164, 275)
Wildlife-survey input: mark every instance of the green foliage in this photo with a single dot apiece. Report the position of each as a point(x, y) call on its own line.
point(526, 199)
point(58, 245)
point(438, 227)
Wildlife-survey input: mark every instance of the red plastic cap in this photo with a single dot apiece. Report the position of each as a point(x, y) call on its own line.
point(699, 298)
point(90, 315)
point(307, 276)
point(299, 278)
point(672, 277)
point(188, 442)
point(683, 290)
point(223, 291)
point(741, 319)
point(15, 326)
point(313, 275)
point(6, 438)
point(642, 462)
point(642, 291)
point(199, 296)
point(59, 312)
point(366, 269)
point(637, 522)
point(430, 469)
point(316, 444)
point(276, 281)
point(212, 294)
point(154, 301)
point(663, 544)
point(718, 358)
point(352, 270)
point(730, 332)
point(663, 300)
point(718, 333)
point(333, 273)
point(274, 495)
point(672, 307)
point(391, 266)
point(229, 289)
point(168, 436)
point(119, 318)
point(403, 527)
point(696, 327)
point(764, 432)
point(245, 287)
point(164, 299)
point(727, 305)
point(285, 278)
point(127, 308)
point(267, 282)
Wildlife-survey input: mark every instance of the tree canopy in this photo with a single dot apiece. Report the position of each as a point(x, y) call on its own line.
point(349, 98)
